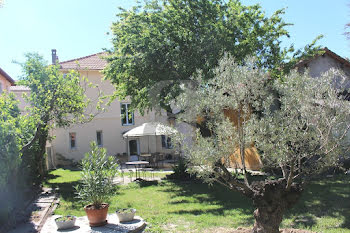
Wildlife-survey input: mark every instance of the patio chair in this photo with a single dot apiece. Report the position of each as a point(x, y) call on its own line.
point(146, 156)
point(160, 159)
point(153, 161)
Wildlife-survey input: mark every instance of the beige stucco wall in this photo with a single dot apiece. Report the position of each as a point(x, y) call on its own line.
point(322, 64)
point(109, 122)
point(20, 97)
point(5, 84)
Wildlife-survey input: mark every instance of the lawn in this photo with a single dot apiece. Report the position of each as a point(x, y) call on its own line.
point(193, 207)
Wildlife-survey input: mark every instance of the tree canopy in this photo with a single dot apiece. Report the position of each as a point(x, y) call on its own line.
point(299, 126)
point(159, 44)
point(56, 100)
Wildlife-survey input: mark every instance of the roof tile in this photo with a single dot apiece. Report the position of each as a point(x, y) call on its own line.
point(91, 62)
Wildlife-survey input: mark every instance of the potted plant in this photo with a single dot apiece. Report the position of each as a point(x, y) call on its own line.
point(65, 222)
point(126, 215)
point(98, 172)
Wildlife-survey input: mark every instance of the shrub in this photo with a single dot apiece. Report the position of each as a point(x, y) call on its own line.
point(180, 171)
point(98, 172)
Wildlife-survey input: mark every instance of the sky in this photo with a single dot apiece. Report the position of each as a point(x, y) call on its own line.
point(78, 28)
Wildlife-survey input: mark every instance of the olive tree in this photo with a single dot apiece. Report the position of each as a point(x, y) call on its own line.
point(298, 125)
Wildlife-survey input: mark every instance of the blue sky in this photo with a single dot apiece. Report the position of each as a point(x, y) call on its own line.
point(78, 28)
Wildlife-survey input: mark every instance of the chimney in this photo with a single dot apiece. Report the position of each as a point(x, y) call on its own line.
point(54, 56)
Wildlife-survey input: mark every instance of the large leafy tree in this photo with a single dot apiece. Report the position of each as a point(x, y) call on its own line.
point(56, 100)
point(298, 125)
point(161, 43)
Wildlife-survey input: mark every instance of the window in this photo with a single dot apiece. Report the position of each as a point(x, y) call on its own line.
point(126, 115)
point(166, 142)
point(99, 138)
point(0, 87)
point(72, 140)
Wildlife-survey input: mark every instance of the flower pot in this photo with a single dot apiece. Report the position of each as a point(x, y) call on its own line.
point(126, 215)
point(97, 216)
point(65, 222)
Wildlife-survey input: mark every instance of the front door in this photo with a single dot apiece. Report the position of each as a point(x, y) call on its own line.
point(134, 149)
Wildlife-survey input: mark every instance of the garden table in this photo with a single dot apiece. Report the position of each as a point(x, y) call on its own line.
point(137, 165)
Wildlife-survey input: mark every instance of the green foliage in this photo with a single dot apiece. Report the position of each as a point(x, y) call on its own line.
point(180, 171)
point(10, 139)
point(55, 96)
point(162, 43)
point(98, 172)
point(56, 100)
point(10, 157)
point(197, 207)
point(65, 218)
point(299, 125)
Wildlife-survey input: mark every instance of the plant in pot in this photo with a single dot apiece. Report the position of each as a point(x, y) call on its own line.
point(65, 222)
point(126, 215)
point(98, 172)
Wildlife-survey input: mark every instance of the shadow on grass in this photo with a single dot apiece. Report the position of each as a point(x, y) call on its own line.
point(147, 183)
point(327, 198)
point(198, 192)
point(67, 192)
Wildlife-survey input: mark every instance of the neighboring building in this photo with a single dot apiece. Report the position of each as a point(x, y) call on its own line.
point(322, 63)
point(19, 91)
point(5, 81)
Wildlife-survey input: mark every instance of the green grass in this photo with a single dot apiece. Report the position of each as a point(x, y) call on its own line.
point(186, 207)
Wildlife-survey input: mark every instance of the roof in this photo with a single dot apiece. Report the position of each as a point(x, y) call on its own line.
point(91, 62)
point(329, 53)
point(3, 73)
point(19, 88)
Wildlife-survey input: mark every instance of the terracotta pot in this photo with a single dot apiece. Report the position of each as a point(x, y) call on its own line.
point(97, 217)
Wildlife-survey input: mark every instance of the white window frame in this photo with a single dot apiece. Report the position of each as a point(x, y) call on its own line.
point(75, 140)
point(101, 132)
point(126, 114)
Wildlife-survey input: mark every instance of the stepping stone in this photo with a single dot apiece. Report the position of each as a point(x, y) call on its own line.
point(82, 225)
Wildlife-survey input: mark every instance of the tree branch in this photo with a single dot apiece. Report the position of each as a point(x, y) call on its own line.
point(290, 177)
point(239, 186)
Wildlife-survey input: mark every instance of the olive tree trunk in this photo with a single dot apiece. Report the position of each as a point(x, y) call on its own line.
point(272, 199)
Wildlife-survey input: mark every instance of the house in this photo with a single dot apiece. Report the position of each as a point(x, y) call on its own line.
point(5, 81)
point(8, 84)
point(108, 127)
